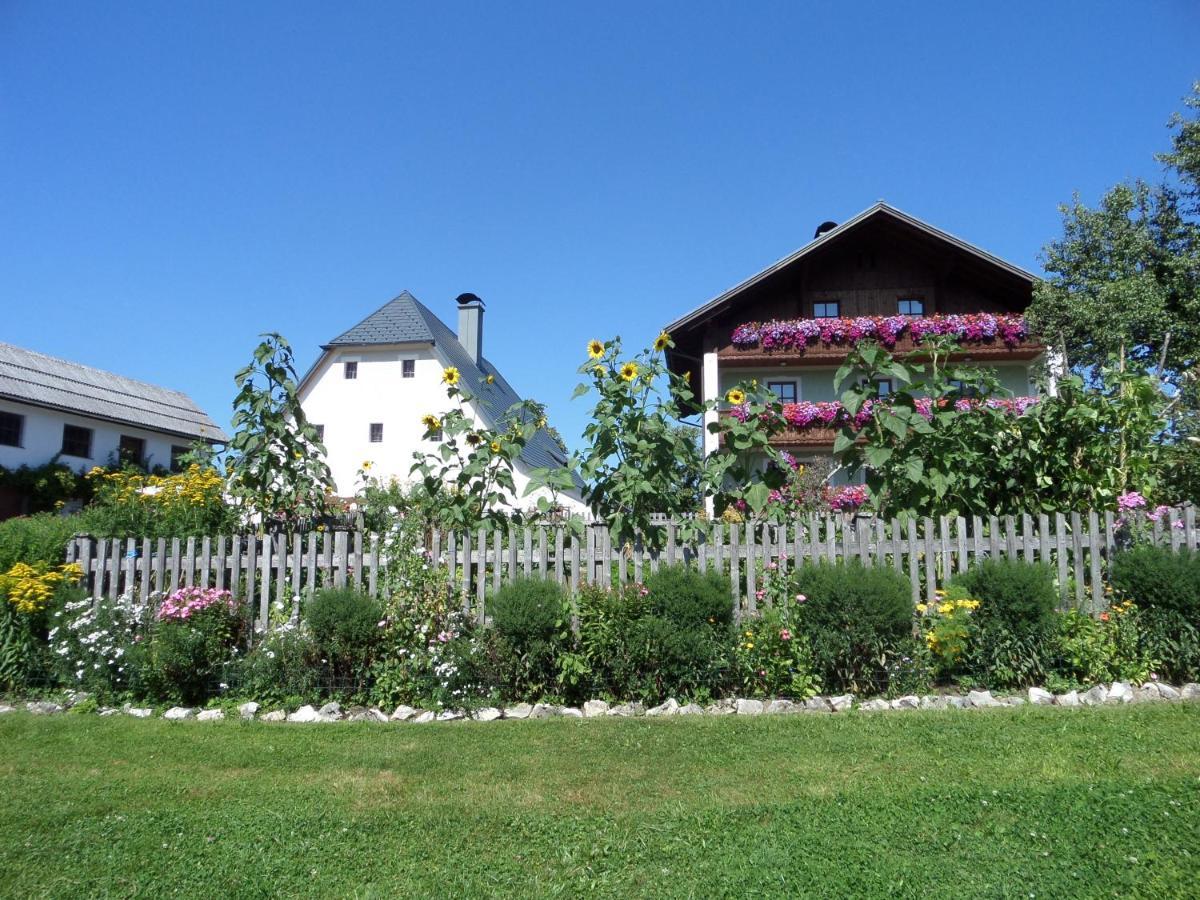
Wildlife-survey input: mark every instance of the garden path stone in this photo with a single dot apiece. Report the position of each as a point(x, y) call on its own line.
point(211, 715)
point(691, 709)
point(625, 710)
point(1094, 696)
point(746, 707)
point(43, 707)
point(520, 711)
point(1070, 698)
point(981, 699)
point(1190, 691)
point(670, 708)
point(595, 708)
point(403, 713)
point(248, 710)
point(177, 713)
point(908, 702)
point(1120, 692)
point(275, 715)
point(424, 717)
point(841, 703)
point(1040, 696)
point(487, 714)
point(305, 714)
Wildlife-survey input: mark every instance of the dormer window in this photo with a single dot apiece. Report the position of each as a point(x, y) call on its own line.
point(828, 310)
point(912, 306)
point(350, 370)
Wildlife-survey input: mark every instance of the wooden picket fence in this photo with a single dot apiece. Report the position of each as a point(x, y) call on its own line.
point(260, 571)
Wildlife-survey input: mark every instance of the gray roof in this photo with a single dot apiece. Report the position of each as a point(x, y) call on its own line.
point(833, 234)
point(405, 320)
point(47, 381)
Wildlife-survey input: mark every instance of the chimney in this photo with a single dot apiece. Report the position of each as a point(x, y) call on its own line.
point(470, 325)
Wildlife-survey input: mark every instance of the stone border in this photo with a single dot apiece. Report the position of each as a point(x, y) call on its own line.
point(1117, 692)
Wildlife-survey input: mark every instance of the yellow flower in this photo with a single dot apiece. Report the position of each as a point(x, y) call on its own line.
point(687, 376)
point(595, 349)
point(736, 397)
point(540, 423)
point(946, 608)
point(367, 465)
point(495, 446)
point(661, 342)
point(599, 370)
point(629, 371)
point(490, 379)
point(431, 422)
point(473, 439)
point(750, 646)
point(921, 607)
point(450, 375)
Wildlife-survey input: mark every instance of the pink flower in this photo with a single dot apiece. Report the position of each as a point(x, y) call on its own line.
point(800, 598)
point(785, 635)
point(758, 595)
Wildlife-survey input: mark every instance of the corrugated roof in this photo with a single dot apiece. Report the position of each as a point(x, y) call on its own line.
point(30, 377)
point(405, 320)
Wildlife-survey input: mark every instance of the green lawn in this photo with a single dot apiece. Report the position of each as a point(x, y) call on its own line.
point(998, 803)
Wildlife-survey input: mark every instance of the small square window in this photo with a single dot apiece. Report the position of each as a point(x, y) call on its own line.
point(350, 370)
point(827, 310)
point(320, 433)
point(11, 427)
point(376, 432)
point(132, 450)
point(408, 368)
point(784, 390)
point(177, 455)
point(77, 441)
point(911, 306)
point(883, 387)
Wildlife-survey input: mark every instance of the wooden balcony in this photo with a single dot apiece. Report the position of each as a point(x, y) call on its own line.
point(819, 354)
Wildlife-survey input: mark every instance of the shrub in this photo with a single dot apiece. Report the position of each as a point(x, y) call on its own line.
point(346, 628)
point(1014, 594)
point(686, 596)
point(192, 641)
point(284, 668)
point(858, 621)
point(531, 628)
point(1159, 578)
point(40, 539)
point(1092, 650)
point(773, 656)
point(1000, 656)
point(129, 503)
point(1173, 642)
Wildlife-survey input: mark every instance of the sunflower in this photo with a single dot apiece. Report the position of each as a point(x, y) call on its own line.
point(687, 376)
point(430, 421)
point(495, 445)
point(661, 342)
point(629, 371)
point(473, 439)
point(595, 349)
point(450, 375)
point(490, 379)
point(736, 397)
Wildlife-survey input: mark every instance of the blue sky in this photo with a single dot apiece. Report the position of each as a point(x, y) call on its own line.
point(177, 178)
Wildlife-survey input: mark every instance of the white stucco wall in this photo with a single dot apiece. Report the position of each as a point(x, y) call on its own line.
point(42, 435)
point(347, 407)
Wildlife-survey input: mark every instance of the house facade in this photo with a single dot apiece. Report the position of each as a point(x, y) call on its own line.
point(53, 409)
point(882, 275)
point(371, 386)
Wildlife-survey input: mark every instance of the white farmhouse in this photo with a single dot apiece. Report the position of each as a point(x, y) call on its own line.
point(54, 409)
point(371, 386)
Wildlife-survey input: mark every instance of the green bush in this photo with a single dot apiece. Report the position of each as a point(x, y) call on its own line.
point(285, 669)
point(686, 596)
point(41, 538)
point(858, 621)
point(1017, 595)
point(1092, 650)
point(530, 631)
point(1173, 642)
point(345, 626)
point(188, 660)
point(1159, 578)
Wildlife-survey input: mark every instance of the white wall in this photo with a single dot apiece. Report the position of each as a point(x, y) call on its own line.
point(42, 437)
point(347, 407)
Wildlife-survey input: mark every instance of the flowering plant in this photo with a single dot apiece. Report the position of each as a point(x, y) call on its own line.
point(128, 502)
point(1104, 648)
point(193, 638)
point(799, 334)
point(30, 587)
point(90, 642)
point(772, 656)
point(947, 625)
point(188, 601)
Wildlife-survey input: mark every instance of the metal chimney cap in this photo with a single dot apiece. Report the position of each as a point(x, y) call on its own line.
point(465, 299)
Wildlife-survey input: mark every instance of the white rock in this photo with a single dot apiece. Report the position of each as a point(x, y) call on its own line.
point(43, 708)
point(275, 715)
point(177, 713)
point(841, 703)
point(5, 708)
point(487, 714)
point(670, 708)
point(211, 715)
point(691, 709)
point(1013, 701)
point(520, 711)
point(594, 708)
point(781, 707)
point(305, 714)
point(248, 710)
point(1040, 696)
point(450, 715)
point(908, 702)
point(720, 708)
point(403, 713)
point(817, 705)
point(626, 710)
point(1070, 698)
point(1120, 692)
point(1146, 694)
point(424, 717)
point(934, 701)
point(1166, 691)
point(746, 707)
point(954, 701)
point(571, 712)
point(1190, 691)
point(876, 705)
point(1095, 696)
point(543, 711)
point(105, 711)
point(981, 699)
point(330, 712)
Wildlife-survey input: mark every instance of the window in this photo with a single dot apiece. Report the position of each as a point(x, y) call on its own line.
point(961, 389)
point(883, 387)
point(77, 441)
point(320, 433)
point(911, 306)
point(350, 370)
point(826, 310)
point(11, 426)
point(376, 432)
point(132, 450)
point(784, 390)
point(408, 368)
point(177, 455)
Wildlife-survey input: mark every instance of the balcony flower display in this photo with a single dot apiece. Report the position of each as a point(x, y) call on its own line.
point(831, 414)
point(799, 334)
